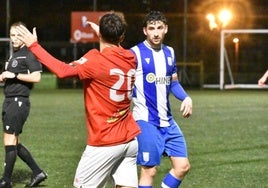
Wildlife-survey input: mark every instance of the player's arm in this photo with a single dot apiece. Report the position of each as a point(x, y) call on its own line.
point(61, 69)
point(33, 77)
point(179, 93)
point(95, 27)
point(6, 75)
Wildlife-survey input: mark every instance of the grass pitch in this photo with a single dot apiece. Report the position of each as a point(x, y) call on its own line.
point(226, 137)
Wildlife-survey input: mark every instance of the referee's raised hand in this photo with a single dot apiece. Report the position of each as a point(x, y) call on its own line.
point(26, 36)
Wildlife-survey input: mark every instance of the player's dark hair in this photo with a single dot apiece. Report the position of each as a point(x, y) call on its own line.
point(154, 16)
point(112, 27)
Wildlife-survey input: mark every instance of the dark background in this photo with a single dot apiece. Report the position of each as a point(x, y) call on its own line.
point(188, 34)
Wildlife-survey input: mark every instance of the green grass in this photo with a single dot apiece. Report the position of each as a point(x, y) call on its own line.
point(226, 136)
point(48, 81)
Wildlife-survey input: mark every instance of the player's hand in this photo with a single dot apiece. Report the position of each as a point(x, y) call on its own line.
point(1, 78)
point(262, 81)
point(186, 107)
point(26, 36)
point(7, 74)
point(95, 27)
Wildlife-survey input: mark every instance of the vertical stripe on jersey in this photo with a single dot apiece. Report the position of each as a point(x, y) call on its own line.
point(149, 87)
point(140, 110)
point(170, 60)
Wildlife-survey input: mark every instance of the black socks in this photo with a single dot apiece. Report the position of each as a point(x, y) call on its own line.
point(26, 156)
point(10, 159)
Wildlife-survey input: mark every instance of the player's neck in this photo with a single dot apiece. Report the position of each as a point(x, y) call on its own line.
point(155, 47)
point(104, 45)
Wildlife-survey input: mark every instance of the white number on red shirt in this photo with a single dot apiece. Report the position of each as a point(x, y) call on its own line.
point(121, 79)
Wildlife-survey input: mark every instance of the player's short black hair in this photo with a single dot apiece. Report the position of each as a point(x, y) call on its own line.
point(112, 27)
point(154, 16)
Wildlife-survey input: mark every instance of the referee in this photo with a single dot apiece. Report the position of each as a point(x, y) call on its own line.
point(21, 71)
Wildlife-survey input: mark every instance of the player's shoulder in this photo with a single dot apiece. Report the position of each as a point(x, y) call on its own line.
point(165, 46)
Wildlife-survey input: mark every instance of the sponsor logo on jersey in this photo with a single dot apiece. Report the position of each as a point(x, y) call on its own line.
point(151, 78)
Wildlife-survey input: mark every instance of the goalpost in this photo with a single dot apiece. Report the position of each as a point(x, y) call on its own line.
point(224, 59)
point(10, 46)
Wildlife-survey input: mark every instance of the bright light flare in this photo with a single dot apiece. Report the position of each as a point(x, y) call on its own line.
point(212, 21)
point(235, 40)
point(221, 21)
point(224, 17)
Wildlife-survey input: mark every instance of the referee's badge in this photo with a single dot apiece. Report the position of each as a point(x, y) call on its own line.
point(14, 63)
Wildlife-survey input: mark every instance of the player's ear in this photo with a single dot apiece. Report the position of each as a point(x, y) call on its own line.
point(166, 29)
point(145, 31)
point(121, 39)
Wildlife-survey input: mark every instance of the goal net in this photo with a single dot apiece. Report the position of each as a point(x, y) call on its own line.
point(243, 58)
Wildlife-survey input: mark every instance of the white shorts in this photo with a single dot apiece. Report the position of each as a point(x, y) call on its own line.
point(100, 164)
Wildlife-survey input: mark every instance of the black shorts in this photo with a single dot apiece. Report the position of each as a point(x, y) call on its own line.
point(15, 111)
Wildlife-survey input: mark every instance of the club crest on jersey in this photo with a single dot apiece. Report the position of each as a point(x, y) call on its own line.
point(14, 63)
point(169, 60)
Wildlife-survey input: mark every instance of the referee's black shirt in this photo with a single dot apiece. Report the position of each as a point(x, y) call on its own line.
point(22, 61)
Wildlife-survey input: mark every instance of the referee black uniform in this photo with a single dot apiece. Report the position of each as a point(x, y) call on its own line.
point(15, 110)
point(16, 106)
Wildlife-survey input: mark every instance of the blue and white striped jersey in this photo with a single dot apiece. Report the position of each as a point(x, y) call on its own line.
point(153, 82)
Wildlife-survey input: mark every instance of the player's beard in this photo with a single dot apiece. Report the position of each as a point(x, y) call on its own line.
point(156, 43)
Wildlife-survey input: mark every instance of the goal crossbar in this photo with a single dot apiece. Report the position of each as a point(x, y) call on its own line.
point(222, 54)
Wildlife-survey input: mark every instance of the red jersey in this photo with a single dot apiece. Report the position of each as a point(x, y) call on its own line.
point(108, 79)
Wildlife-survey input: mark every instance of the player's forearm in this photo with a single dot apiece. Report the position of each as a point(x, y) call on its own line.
point(265, 74)
point(33, 77)
point(178, 91)
point(59, 68)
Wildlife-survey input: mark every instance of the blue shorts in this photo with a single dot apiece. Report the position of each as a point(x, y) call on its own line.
point(154, 142)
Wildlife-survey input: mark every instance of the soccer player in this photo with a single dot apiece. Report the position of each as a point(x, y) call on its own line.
point(263, 79)
point(22, 70)
point(156, 78)
point(108, 78)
